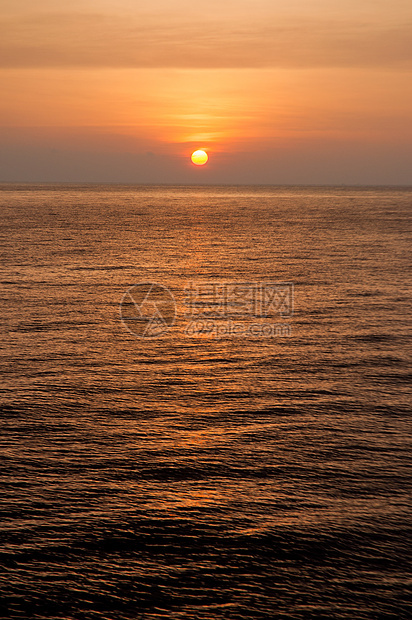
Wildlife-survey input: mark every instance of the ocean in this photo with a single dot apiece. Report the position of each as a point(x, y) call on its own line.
point(205, 402)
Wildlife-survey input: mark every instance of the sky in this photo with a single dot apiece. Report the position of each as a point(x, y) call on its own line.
point(275, 91)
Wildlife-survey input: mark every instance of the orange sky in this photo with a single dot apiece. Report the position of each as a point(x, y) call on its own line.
point(275, 91)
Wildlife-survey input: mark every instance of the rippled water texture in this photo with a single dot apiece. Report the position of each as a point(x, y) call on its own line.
point(190, 476)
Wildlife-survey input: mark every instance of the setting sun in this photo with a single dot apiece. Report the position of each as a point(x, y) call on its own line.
point(199, 158)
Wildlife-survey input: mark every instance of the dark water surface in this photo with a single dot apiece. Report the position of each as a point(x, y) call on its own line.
point(196, 476)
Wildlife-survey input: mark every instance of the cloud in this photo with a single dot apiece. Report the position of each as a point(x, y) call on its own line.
point(102, 41)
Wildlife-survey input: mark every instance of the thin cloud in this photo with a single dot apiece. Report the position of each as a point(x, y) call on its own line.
point(103, 41)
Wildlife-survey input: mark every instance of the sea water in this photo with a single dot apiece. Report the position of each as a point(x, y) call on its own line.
point(205, 402)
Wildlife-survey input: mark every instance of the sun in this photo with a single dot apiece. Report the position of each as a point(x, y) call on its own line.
point(199, 158)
